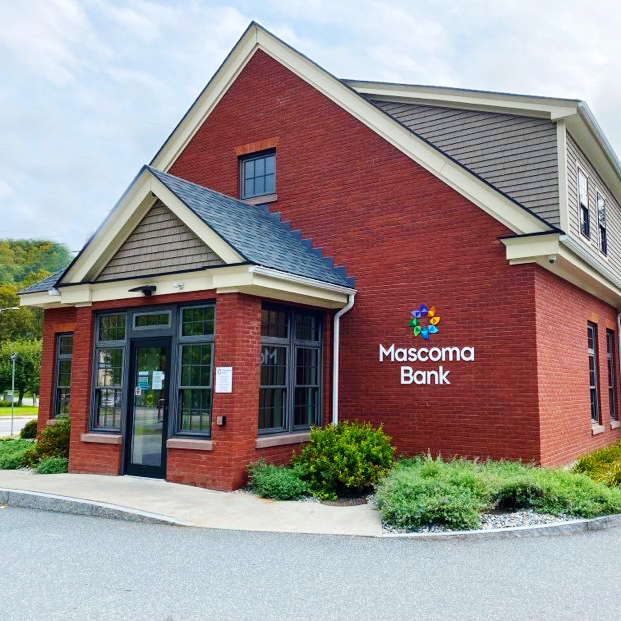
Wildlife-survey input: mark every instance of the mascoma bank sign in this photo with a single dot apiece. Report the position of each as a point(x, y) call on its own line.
point(424, 324)
point(235, 296)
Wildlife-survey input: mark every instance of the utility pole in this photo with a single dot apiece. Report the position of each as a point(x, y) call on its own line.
point(13, 360)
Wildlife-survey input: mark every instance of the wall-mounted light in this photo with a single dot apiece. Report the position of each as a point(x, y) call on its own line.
point(147, 290)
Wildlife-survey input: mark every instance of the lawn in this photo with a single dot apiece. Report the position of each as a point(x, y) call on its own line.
point(25, 410)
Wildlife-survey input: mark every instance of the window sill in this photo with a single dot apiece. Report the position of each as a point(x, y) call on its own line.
point(261, 200)
point(290, 438)
point(189, 444)
point(614, 424)
point(597, 429)
point(102, 438)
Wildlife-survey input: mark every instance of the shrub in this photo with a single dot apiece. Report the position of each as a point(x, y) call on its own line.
point(603, 465)
point(29, 430)
point(426, 491)
point(345, 459)
point(12, 453)
point(278, 482)
point(54, 441)
point(52, 465)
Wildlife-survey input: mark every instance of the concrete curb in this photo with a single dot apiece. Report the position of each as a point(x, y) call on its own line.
point(79, 506)
point(560, 529)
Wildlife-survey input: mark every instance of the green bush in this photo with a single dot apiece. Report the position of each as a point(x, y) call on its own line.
point(52, 465)
point(345, 459)
point(278, 482)
point(12, 453)
point(29, 430)
point(426, 491)
point(54, 440)
point(603, 465)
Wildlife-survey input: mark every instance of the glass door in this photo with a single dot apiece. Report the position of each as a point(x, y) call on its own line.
point(145, 441)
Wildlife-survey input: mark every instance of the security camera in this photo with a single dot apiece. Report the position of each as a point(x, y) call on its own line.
point(552, 258)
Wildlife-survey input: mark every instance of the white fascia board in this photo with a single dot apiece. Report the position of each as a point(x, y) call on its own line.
point(499, 102)
point(141, 196)
point(474, 189)
point(41, 299)
point(520, 248)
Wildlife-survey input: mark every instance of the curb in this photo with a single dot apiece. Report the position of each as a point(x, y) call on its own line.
point(560, 529)
point(78, 506)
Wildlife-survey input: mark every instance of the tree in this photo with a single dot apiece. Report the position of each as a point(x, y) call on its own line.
point(21, 324)
point(21, 259)
point(27, 366)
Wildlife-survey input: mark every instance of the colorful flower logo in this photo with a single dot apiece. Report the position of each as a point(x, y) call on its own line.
point(428, 315)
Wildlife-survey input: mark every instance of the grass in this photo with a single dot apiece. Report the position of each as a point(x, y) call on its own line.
point(24, 410)
point(424, 491)
point(603, 465)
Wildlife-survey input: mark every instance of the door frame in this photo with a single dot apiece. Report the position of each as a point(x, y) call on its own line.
point(154, 472)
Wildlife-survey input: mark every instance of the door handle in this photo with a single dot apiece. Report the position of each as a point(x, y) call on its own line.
point(161, 404)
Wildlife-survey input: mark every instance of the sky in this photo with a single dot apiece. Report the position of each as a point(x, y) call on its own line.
point(90, 89)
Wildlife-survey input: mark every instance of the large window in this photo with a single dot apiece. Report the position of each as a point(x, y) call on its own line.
point(109, 371)
point(593, 384)
point(258, 175)
point(601, 219)
point(195, 370)
point(290, 384)
point(612, 383)
point(62, 388)
point(583, 198)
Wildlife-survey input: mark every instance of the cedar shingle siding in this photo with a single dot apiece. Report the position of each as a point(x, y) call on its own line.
point(516, 154)
point(160, 243)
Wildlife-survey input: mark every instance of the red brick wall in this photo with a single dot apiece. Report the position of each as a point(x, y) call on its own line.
point(407, 238)
point(563, 370)
point(55, 321)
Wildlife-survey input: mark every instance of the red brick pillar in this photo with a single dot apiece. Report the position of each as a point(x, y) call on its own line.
point(86, 456)
point(237, 345)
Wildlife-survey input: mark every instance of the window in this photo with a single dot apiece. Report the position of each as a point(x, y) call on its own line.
point(583, 197)
point(610, 355)
point(601, 219)
point(109, 371)
point(289, 396)
point(62, 388)
point(258, 175)
point(195, 370)
point(146, 321)
point(592, 350)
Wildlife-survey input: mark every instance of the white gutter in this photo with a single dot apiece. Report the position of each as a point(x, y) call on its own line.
point(335, 357)
point(303, 280)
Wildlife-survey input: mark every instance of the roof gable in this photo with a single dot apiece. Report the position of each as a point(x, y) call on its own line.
point(160, 243)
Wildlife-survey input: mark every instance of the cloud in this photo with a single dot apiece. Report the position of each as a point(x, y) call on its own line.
point(91, 88)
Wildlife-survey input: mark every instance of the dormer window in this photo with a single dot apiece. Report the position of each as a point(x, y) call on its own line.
point(258, 175)
point(583, 197)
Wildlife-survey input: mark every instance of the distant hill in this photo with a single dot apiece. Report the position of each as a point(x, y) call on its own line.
point(22, 261)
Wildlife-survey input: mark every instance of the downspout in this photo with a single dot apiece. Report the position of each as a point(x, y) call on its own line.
point(619, 344)
point(335, 357)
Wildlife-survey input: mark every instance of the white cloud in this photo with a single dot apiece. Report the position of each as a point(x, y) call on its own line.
point(91, 88)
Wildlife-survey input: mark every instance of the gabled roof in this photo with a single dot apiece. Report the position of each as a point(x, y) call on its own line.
point(251, 234)
point(257, 235)
point(48, 283)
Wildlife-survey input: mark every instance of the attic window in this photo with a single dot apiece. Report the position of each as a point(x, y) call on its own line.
point(258, 174)
point(583, 198)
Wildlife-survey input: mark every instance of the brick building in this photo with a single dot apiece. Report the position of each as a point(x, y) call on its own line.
point(304, 249)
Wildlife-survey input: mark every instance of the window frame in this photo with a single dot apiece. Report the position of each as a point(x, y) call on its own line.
point(611, 360)
point(256, 155)
point(182, 341)
point(99, 345)
point(601, 222)
point(58, 357)
point(292, 344)
point(593, 387)
point(584, 215)
point(136, 314)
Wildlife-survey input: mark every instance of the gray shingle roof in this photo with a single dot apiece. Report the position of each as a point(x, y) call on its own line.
point(43, 285)
point(259, 236)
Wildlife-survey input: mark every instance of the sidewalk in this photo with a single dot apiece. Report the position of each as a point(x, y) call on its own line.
point(201, 507)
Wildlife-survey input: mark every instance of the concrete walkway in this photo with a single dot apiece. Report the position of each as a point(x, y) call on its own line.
point(18, 423)
point(201, 507)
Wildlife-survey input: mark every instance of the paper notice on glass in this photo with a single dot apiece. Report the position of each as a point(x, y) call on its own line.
point(158, 380)
point(143, 379)
point(224, 379)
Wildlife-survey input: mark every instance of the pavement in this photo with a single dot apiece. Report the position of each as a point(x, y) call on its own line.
point(55, 566)
point(18, 423)
point(195, 506)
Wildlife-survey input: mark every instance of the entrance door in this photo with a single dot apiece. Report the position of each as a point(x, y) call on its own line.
point(145, 442)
